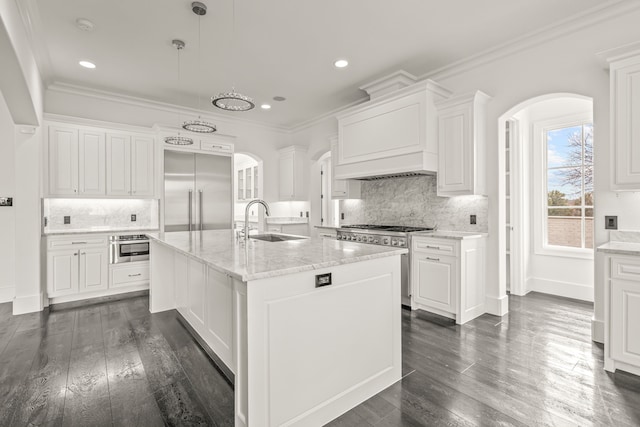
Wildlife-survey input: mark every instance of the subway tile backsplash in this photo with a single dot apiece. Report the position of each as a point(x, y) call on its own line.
point(100, 214)
point(412, 201)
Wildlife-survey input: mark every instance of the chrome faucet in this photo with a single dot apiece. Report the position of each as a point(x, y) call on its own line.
point(246, 216)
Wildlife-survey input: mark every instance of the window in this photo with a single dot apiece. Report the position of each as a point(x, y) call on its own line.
point(569, 186)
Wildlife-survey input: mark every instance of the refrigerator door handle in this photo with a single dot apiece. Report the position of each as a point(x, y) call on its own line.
point(190, 209)
point(200, 213)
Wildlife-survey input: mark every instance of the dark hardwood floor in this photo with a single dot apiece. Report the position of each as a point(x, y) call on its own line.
point(116, 364)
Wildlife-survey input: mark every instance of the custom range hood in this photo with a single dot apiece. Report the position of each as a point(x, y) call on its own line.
point(393, 134)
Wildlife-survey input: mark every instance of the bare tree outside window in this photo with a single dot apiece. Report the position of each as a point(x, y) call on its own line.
point(570, 186)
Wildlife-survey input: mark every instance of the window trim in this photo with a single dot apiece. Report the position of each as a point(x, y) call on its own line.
point(540, 129)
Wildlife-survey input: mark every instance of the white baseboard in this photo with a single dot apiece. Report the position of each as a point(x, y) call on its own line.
point(498, 306)
point(597, 331)
point(563, 289)
point(7, 294)
point(27, 304)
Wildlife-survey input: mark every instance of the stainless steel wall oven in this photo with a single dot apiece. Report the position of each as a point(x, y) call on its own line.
point(128, 248)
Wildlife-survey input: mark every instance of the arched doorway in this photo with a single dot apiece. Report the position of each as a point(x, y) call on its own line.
point(546, 196)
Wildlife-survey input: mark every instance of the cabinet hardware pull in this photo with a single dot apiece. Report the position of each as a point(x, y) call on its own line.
point(433, 259)
point(78, 243)
point(76, 254)
point(432, 247)
point(83, 253)
point(134, 275)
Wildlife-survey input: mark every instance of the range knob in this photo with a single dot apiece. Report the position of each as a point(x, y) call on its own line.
point(344, 237)
point(376, 241)
point(402, 242)
point(370, 240)
point(385, 240)
point(353, 238)
point(358, 238)
point(394, 242)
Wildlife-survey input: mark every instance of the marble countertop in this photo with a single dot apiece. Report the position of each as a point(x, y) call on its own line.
point(621, 248)
point(98, 230)
point(444, 234)
point(219, 249)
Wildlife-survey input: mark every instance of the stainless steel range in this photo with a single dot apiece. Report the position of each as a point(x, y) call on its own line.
point(387, 235)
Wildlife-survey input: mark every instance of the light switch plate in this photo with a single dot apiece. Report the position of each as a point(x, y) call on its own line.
point(134, 218)
point(67, 219)
point(473, 219)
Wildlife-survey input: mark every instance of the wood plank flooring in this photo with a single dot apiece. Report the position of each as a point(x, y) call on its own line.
point(116, 364)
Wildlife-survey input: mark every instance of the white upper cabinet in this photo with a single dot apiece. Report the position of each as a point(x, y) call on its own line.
point(342, 188)
point(76, 162)
point(625, 126)
point(394, 133)
point(292, 173)
point(461, 145)
point(130, 170)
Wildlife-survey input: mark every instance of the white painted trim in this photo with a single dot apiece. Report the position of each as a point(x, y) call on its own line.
point(7, 294)
point(597, 331)
point(563, 289)
point(51, 118)
point(28, 304)
point(72, 89)
point(498, 306)
point(98, 294)
point(33, 27)
point(534, 38)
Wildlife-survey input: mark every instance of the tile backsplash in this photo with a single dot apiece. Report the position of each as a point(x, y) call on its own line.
point(100, 214)
point(412, 201)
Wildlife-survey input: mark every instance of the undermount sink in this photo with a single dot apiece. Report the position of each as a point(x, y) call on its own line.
point(275, 237)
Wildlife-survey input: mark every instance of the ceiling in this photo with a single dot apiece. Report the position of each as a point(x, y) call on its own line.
point(280, 48)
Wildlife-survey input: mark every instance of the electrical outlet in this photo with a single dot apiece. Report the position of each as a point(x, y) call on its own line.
point(133, 217)
point(67, 219)
point(341, 215)
point(611, 222)
point(472, 219)
point(307, 214)
point(300, 214)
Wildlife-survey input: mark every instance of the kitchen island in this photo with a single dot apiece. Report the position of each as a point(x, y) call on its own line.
point(307, 328)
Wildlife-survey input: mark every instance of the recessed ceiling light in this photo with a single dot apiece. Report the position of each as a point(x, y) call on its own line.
point(87, 64)
point(265, 106)
point(341, 63)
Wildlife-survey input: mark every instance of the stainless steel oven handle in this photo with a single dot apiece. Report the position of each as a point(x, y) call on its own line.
point(190, 208)
point(200, 212)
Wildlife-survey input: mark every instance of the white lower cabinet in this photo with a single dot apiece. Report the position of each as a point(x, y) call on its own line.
point(78, 268)
point(622, 314)
point(448, 276)
point(205, 298)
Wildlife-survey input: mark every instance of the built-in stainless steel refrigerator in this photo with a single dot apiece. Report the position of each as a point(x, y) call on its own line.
point(197, 191)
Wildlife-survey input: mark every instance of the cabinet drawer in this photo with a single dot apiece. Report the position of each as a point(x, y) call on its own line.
point(625, 268)
point(124, 276)
point(216, 146)
point(435, 246)
point(77, 242)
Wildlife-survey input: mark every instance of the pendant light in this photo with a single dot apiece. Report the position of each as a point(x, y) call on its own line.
point(199, 125)
point(233, 101)
point(178, 140)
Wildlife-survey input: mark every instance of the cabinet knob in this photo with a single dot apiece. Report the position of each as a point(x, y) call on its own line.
point(76, 254)
point(75, 190)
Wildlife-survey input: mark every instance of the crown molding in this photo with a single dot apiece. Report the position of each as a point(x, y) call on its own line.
point(537, 37)
point(33, 27)
point(322, 117)
point(71, 89)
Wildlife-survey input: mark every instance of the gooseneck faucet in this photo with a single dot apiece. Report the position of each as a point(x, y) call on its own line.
point(246, 216)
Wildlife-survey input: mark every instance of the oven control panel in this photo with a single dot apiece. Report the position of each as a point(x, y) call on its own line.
point(373, 239)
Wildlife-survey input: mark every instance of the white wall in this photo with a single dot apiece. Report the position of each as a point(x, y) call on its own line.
point(7, 214)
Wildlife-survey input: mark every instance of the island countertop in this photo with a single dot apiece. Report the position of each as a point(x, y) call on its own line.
point(220, 250)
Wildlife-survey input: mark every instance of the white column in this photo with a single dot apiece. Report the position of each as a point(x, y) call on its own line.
point(29, 289)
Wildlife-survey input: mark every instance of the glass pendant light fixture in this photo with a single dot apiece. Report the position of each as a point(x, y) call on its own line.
point(199, 125)
point(178, 140)
point(233, 101)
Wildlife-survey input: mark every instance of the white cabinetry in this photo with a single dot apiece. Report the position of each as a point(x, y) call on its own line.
point(76, 265)
point(130, 160)
point(94, 162)
point(301, 229)
point(625, 127)
point(292, 170)
point(393, 134)
point(342, 188)
point(622, 314)
point(461, 145)
point(447, 276)
point(76, 162)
